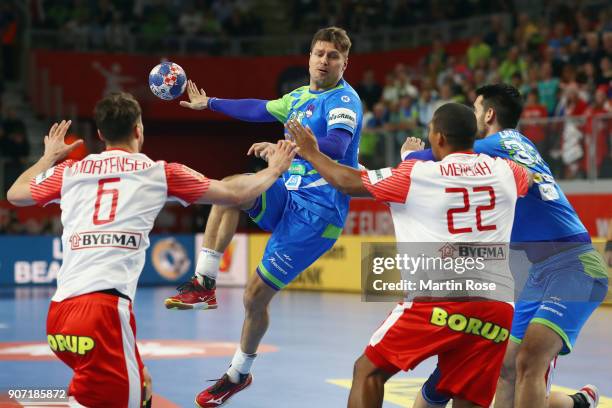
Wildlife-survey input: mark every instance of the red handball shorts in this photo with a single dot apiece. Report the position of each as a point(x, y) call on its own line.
point(469, 338)
point(95, 335)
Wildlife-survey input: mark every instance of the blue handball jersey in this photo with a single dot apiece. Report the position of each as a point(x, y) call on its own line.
point(339, 107)
point(544, 214)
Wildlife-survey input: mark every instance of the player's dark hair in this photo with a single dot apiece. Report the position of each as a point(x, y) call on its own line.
point(334, 35)
point(116, 115)
point(505, 100)
point(457, 122)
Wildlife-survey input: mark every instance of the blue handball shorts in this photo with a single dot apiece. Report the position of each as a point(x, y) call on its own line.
point(299, 236)
point(561, 292)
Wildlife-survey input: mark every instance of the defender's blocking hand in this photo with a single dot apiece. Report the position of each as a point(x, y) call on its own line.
point(412, 144)
point(261, 150)
point(282, 155)
point(303, 138)
point(55, 147)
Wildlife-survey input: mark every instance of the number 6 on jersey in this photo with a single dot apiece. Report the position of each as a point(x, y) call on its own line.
point(114, 193)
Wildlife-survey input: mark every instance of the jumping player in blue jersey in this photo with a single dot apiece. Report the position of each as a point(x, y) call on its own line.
point(303, 212)
point(568, 277)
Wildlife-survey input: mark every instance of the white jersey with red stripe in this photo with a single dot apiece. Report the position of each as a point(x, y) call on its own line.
point(465, 198)
point(109, 203)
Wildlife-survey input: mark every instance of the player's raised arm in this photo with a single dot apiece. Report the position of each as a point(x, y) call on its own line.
point(243, 189)
point(20, 193)
point(249, 110)
point(343, 178)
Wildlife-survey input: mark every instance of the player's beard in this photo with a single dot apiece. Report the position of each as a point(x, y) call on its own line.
point(482, 127)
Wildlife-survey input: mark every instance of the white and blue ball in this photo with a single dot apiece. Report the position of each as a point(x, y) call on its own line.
point(167, 80)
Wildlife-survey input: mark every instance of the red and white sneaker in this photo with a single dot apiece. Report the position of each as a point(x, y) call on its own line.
point(192, 295)
point(591, 394)
point(217, 395)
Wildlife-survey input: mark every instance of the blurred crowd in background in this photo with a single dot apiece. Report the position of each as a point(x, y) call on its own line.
point(563, 69)
point(557, 53)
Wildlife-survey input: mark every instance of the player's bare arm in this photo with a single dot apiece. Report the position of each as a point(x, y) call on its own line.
point(244, 189)
point(343, 178)
point(197, 97)
point(55, 149)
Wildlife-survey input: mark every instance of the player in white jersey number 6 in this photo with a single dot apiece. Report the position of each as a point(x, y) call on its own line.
point(109, 202)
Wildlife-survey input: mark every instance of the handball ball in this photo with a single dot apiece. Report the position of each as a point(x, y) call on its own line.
point(167, 80)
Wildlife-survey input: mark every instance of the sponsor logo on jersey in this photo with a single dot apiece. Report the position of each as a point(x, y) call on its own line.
point(345, 98)
point(548, 192)
point(309, 110)
point(379, 175)
point(105, 239)
point(297, 115)
point(469, 325)
point(486, 252)
point(80, 345)
point(342, 116)
point(43, 176)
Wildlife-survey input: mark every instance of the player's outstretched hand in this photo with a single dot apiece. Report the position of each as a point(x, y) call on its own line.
point(303, 138)
point(197, 98)
point(261, 150)
point(55, 148)
point(412, 144)
point(282, 155)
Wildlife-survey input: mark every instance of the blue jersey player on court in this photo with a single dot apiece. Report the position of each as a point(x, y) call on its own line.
point(303, 212)
point(567, 279)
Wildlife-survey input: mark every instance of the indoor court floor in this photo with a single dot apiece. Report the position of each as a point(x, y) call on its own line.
point(306, 359)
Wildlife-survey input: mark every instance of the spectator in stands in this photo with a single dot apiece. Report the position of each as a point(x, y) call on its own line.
point(548, 86)
point(597, 128)
point(478, 50)
point(559, 37)
point(527, 33)
point(155, 26)
point(502, 46)
point(403, 83)
point(403, 116)
point(369, 90)
point(117, 33)
point(191, 21)
point(589, 48)
point(373, 129)
point(605, 69)
point(571, 104)
point(446, 95)
point(437, 51)
point(532, 112)
point(379, 119)
point(426, 106)
point(513, 64)
point(390, 91)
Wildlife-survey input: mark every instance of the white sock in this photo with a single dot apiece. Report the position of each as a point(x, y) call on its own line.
point(208, 264)
point(241, 364)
